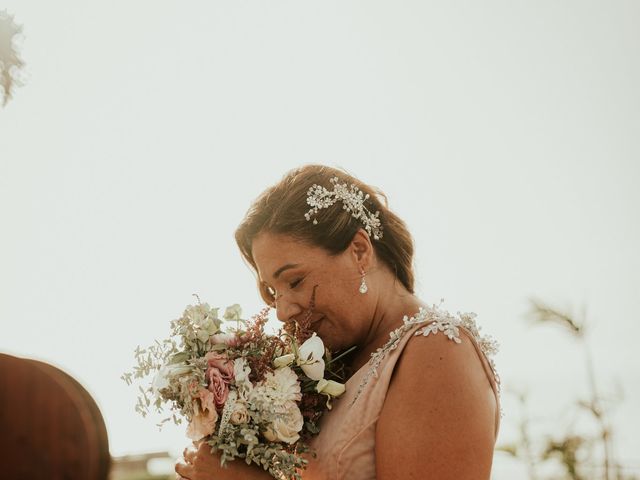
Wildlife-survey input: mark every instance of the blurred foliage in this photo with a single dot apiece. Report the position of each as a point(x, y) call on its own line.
point(136, 467)
point(141, 476)
point(579, 455)
point(10, 61)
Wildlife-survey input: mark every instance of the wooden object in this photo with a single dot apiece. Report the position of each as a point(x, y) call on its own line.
point(50, 427)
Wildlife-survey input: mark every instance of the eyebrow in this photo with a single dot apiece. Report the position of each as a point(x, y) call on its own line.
point(283, 268)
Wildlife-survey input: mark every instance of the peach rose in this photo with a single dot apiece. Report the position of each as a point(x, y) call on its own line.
point(239, 414)
point(205, 416)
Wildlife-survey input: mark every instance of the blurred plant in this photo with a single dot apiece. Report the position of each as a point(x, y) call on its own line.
point(541, 313)
point(573, 451)
point(523, 448)
point(10, 61)
point(566, 449)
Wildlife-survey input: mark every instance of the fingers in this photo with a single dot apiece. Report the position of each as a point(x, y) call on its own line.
point(189, 454)
point(204, 448)
point(185, 471)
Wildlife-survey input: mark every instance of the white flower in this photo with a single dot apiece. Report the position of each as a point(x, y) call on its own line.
point(284, 360)
point(203, 318)
point(164, 376)
point(310, 358)
point(241, 373)
point(331, 388)
point(279, 388)
point(233, 312)
point(286, 426)
point(282, 386)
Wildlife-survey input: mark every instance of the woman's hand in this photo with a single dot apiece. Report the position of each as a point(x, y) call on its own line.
point(201, 464)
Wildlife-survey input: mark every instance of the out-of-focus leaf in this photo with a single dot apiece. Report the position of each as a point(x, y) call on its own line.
point(542, 313)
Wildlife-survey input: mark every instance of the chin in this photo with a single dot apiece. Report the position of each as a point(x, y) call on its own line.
point(329, 340)
point(323, 329)
point(329, 334)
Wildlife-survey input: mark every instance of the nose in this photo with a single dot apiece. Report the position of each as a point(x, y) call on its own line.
point(286, 309)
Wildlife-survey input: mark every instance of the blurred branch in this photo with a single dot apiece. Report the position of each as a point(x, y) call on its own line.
point(542, 313)
point(566, 449)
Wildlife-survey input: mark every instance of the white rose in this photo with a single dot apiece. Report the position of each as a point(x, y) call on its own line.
point(286, 427)
point(331, 388)
point(310, 358)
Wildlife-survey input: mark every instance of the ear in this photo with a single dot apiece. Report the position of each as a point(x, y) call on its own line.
point(361, 249)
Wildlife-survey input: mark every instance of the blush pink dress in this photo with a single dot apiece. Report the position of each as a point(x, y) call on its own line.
point(346, 445)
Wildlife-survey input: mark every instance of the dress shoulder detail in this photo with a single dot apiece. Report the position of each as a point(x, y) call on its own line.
point(434, 320)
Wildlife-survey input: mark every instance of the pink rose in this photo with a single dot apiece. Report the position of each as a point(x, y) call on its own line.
point(217, 386)
point(221, 363)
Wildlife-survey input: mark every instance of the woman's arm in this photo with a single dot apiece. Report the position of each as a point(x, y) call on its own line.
point(438, 419)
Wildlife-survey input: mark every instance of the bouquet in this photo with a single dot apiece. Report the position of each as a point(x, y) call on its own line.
point(248, 394)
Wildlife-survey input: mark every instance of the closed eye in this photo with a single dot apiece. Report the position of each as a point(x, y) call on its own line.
point(295, 283)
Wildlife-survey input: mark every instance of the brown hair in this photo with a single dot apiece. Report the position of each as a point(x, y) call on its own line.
point(280, 209)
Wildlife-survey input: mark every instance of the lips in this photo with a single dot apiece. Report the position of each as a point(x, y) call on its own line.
point(315, 322)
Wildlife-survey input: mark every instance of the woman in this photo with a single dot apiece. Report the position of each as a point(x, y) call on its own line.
point(422, 401)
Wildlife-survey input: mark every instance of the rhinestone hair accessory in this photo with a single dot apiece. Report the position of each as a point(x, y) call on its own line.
point(353, 199)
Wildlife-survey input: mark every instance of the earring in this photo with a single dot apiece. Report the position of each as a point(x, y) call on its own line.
point(363, 285)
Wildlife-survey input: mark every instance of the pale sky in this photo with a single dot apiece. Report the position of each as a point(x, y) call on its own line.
point(506, 134)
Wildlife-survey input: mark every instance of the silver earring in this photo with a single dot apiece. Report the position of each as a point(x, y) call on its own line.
point(363, 284)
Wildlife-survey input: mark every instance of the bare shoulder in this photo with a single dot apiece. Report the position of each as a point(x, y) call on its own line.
point(439, 413)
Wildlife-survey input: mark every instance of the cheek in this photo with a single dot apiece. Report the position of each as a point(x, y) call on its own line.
point(336, 290)
point(337, 299)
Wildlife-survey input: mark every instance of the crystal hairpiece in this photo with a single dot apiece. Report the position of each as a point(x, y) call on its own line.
point(352, 200)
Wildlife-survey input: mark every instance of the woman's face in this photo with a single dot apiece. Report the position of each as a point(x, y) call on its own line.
point(341, 315)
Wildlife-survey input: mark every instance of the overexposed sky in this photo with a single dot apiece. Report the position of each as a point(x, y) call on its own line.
point(506, 134)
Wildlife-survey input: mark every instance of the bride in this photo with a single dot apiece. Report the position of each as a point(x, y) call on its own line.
point(423, 397)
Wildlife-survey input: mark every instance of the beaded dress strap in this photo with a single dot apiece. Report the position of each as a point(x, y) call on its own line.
point(435, 320)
